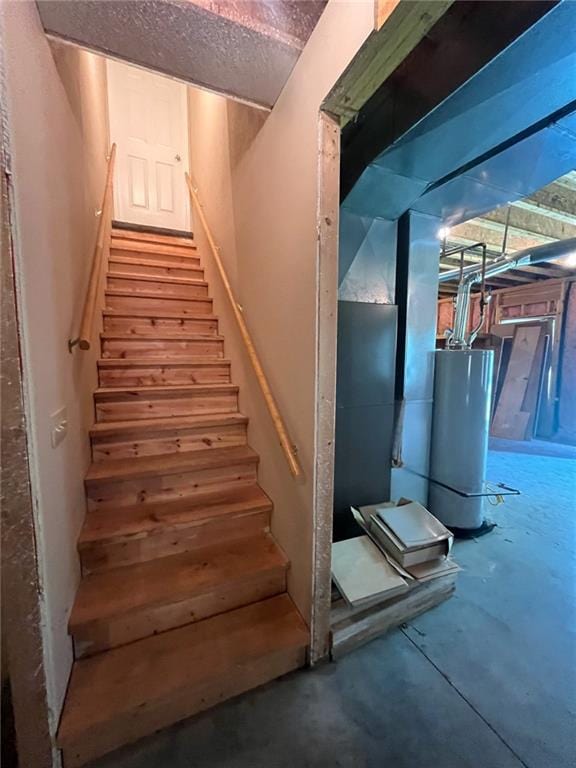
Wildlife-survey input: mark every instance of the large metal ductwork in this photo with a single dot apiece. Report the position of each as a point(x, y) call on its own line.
point(416, 297)
point(462, 399)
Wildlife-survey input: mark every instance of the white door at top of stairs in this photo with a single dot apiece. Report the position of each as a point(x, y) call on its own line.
point(148, 122)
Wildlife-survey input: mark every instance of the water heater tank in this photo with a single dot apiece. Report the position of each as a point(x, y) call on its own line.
point(459, 446)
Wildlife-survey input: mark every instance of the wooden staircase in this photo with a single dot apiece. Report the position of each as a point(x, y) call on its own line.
point(183, 600)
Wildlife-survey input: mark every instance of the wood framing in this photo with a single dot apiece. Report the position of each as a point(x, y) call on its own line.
point(523, 305)
point(327, 309)
point(399, 27)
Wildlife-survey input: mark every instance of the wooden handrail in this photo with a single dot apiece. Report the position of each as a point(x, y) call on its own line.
point(87, 323)
point(278, 421)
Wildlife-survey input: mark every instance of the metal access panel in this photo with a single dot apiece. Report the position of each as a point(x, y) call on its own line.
point(364, 407)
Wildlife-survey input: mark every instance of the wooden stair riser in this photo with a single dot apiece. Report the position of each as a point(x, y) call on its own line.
point(163, 348)
point(131, 235)
point(173, 259)
point(163, 373)
point(103, 635)
point(165, 541)
point(155, 248)
point(163, 289)
point(161, 487)
point(212, 661)
point(141, 267)
point(124, 324)
point(124, 302)
point(178, 706)
point(149, 405)
point(182, 440)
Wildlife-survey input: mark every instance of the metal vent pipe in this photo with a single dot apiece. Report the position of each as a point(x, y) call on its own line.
point(473, 273)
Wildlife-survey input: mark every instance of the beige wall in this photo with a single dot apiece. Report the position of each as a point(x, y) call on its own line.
point(57, 126)
point(258, 177)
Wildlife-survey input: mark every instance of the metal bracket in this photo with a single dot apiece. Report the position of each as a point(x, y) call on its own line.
point(500, 489)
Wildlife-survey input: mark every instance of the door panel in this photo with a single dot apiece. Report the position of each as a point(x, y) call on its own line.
point(148, 122)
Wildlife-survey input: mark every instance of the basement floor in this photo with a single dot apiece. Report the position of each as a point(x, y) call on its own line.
point(487, 680)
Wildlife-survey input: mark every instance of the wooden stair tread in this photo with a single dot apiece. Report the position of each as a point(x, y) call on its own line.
point(132, 686)
point(152, 295)
point(170, 362)
point(158, 313)
point(170, 464)
point(113, 428)
point(106, 393)
point(159, 335)
point(143, 262)
point(153, 237)
point(143, 519)
point(172, 579)
point(166, 279)
point(157, 248)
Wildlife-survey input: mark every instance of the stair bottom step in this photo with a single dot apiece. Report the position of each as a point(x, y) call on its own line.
point(119, 606)
point(119, 696)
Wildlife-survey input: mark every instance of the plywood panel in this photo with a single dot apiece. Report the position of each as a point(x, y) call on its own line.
point(509, 420)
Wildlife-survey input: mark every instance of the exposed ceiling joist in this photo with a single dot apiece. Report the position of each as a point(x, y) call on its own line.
point(556, 197)
point(530, 220)
point(550, 270)
point(483, 231)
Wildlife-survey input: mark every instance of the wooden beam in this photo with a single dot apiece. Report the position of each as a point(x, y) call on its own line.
point(400, 26)
point(520, 276)
point(482, 230)
point(568, 180)
point(449, 262)
point(530, 220)
point(549, 270)
point(501, 281)
point(449, 289)
point(550, 213)
point(556, 197)
point(327, 310)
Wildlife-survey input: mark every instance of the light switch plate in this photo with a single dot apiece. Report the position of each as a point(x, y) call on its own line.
point(58, 426)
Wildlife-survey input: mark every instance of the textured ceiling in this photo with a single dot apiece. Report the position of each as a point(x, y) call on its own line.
point(290, 21)
point(247, 53)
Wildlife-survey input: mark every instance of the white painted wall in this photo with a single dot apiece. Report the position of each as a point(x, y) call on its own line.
point(258, 178)
point(58, 134)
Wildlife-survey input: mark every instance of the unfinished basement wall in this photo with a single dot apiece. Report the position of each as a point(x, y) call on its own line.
point(258, 176)
point(56, 110)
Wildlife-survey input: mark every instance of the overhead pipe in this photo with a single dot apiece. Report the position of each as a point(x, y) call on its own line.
point(471, 274)
point(525, 258)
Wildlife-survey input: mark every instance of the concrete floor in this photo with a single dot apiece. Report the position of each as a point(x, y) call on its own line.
point(487, 680)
